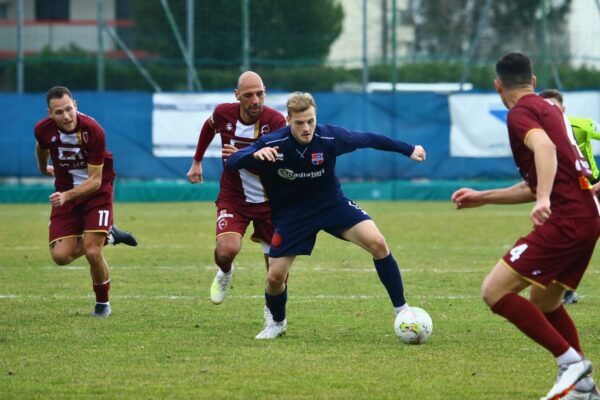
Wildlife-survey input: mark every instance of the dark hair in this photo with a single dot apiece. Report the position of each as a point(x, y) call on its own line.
point(552, 94)
point(57, 92)
point(514, 70)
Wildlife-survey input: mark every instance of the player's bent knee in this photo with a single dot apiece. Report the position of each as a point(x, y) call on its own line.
point(378, 247)
point(275, 280)
point(61, 259)
point(489, 294)
point(227, 255)
point(93, 252)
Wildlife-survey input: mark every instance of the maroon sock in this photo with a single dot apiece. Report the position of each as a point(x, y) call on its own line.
point(225, 267)
point(101, 290)
point(562, 322)
point(531, 321)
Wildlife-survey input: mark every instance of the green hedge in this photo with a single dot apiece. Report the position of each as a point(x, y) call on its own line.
point(78, 71)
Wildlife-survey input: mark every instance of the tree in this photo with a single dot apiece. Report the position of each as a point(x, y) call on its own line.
point(280, 31)
point(445, 28)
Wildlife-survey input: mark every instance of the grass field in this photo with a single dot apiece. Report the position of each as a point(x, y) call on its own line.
point(166, 340)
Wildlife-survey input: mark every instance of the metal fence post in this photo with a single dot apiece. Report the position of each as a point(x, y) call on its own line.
point(100, 64)
point(246, 35)
point(20, 50)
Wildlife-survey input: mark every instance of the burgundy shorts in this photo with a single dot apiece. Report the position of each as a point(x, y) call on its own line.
point(234, 218)
point(558, 251)
point(94, 214)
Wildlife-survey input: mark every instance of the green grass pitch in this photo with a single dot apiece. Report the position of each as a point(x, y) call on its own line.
point(166, 340)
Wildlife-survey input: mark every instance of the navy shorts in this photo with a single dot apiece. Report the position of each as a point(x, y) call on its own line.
point(297, 237)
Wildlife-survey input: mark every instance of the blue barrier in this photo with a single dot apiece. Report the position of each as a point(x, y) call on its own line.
point(418, 118)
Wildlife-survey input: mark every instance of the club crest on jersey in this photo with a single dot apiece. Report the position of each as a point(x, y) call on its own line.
point(85, 137)
point(264, 129)
point(229, 126)
point(317, 158)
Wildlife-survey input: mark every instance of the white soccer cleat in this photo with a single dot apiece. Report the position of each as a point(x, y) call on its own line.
point(268, 316)
point(273, 330)
point(585, 389)
point(220, 285)
point(568, 376)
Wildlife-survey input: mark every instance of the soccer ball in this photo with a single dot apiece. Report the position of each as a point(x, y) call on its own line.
point(413, 325)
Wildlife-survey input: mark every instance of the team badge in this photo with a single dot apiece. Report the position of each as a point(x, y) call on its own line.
point(264, 129)
point(229, 126)
point(85, 137)
point(317, 158)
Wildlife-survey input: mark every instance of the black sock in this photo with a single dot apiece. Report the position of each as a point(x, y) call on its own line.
point(389, 275)
point(276, 304)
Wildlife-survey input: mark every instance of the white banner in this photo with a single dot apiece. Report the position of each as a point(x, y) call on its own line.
point(478, 122)
point(178, 117)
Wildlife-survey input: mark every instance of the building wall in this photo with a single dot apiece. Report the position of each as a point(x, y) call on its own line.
point(584, 32)
point(348, 48)
point(81, 28)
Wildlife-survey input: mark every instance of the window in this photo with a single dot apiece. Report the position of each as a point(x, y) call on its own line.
point(56, 9)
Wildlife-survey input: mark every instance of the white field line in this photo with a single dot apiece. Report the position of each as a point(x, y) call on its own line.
point(116, 297)
point(261, 267)
point(306, 298)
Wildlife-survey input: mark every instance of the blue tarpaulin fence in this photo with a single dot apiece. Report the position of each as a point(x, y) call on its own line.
point(418, 118)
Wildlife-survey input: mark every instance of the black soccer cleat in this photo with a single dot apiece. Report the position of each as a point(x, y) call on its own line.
point(124, 237)
point(101, 310)
point(571, 297)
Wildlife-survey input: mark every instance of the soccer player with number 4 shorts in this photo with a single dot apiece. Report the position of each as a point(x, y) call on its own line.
point(81, 221)
point(297, 167)
point(566, 226)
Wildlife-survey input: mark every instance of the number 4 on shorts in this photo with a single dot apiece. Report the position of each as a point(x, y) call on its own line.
point(516, 251)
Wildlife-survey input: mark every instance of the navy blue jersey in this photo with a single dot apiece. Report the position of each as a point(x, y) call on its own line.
point(302, 182)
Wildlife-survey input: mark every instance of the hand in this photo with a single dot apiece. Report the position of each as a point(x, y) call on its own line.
point(49, 171)
point(467, 198)
point(266, 154)
point(58, 199)
point(418, 154)
point(596, 188)
point(227, 150)
point(194, 175)
point(541, 212)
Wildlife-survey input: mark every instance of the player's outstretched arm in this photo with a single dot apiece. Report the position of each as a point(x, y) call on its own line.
point(418, 154)
point(469, 198)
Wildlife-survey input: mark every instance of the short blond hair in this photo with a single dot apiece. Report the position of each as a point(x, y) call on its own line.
point(299, 102)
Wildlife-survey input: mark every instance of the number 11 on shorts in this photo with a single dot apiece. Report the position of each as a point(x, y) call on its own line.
point(103, 217)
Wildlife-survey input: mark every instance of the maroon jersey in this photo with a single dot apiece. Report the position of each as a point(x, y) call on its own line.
point(243, 185)
point(571, 195)
point(72, 152)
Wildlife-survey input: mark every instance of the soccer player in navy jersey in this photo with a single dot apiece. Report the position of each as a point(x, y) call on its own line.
point(81, 221)
point(566, 226)
point(297, 168)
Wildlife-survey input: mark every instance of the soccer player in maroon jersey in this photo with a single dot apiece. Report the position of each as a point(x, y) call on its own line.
point(241, 198)
point(566, 226)
point(81, 221)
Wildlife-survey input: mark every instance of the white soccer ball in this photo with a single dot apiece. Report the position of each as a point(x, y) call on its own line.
point(413, 325)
